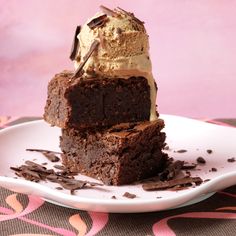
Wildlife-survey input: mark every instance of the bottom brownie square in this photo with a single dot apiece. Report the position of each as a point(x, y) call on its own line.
point(119, 155)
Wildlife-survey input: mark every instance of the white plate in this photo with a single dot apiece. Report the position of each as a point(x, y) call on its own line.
point(182, 133)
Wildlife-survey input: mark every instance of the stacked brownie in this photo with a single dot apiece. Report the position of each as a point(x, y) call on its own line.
point(109, 129)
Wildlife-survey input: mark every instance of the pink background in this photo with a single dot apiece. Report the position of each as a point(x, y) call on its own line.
point(193, 50)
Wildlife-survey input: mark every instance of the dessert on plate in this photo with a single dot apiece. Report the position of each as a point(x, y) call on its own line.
point(106, 107)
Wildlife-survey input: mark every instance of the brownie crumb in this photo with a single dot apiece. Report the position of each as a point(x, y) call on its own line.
point(113, 197)
point(213, 169)
point(201, 160)
point(209, 151)
point(129, 195)
point(232, 159)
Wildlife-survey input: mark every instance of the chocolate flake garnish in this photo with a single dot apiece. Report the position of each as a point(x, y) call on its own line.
point(35, 172)
point(231, 159)
point(209, 151)
point(108, 11)
point(75, 44)
point(98, 21)
point(201, 160)
point(162, 185)
point(171, 171)
point(181, 151)
point(113, 197)
point(93, 47)
point(213, 169)
point(189, 166)
point(129, 195)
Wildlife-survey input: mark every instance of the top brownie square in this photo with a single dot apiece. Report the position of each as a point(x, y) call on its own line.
point(96, 102)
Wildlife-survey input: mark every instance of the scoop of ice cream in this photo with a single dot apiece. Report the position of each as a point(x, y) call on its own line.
point(123, 50)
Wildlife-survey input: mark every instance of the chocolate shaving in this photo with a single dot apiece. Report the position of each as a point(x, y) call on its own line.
point(162, 185)
point(50, 155)
point(129, 195)
point(231, 159)
point(181, 151)
point(213, 169)
point(93, 47)
point(75, 44)
point(171, 171)
point(35, 172)
point(41, 150)
point(98, 21)
point(108, 11)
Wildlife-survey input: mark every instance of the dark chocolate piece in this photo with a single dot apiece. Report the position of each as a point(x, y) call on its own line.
point(113, 197)
point(92, 48)
point(201, 160)
point(75, 44)
point(213, 169)
point(98, 21)
point(129, 195)
point(171, 171)
point(231, 159)
point(171, 183)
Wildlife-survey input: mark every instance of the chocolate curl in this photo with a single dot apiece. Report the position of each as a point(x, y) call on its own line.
point(93, 47)
point(75, 44)
point(98, 21)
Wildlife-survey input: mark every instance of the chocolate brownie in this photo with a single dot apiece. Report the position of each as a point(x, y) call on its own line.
point(92, 102)
point(119, 155)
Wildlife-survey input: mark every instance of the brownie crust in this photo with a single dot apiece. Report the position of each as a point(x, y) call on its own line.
point(84, 103)
point(120, 155)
